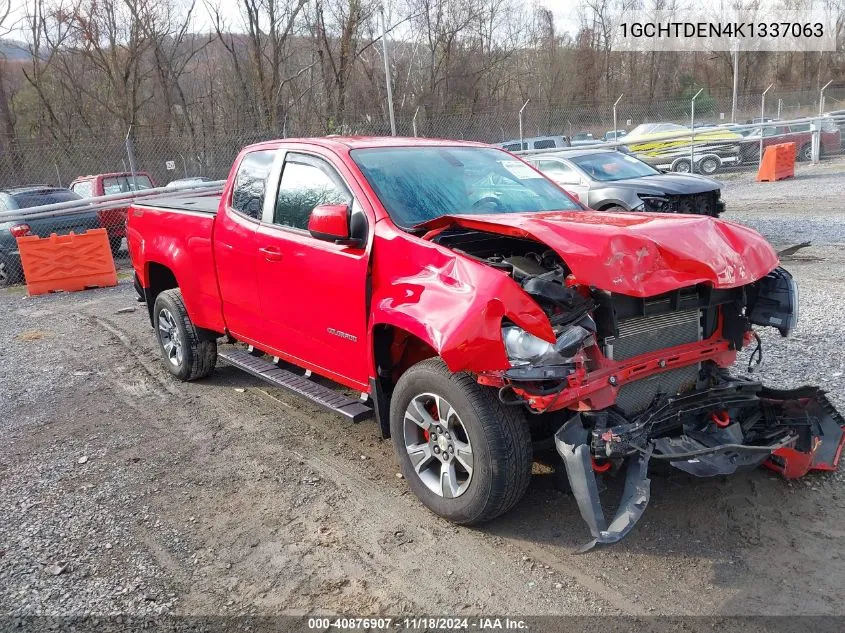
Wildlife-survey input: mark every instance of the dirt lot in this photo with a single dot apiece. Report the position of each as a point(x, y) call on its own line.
point(125, 491)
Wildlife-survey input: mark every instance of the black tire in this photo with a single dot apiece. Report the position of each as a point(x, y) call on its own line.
point(805, 153)
point(615, 209)
point(198, 347)
point(704, 166)
point(499, 436)
point(685, 162)
point(11, 271)
point(115, 244)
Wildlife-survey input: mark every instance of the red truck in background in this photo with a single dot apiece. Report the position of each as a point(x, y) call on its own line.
point(774, 133)
point(482, 314)
point(113, 220)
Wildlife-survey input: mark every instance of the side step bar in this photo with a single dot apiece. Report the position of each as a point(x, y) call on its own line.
point(353, 410)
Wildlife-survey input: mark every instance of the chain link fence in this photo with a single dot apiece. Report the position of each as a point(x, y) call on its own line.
point(43, 164)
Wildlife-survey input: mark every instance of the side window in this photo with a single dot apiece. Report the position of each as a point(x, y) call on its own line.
point(544, 144)
point(83, 188)
point(251, 182)
point(306, 183)
point(511, 147)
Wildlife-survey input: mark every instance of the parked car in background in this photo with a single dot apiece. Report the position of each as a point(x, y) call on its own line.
point(713, 148)
point(608, 180)
point(800, 134)
point(182, 182)
point(614, 135)
point(11, 271)
point(583, 138)
point(535, 142)
point(113, 220)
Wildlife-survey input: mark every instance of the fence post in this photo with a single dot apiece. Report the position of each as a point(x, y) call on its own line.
point(520, 122)
point(762, 118)
point(692, 130)
point(821, 97)
point(130, 154)
point(414, 120)
point(615, 132)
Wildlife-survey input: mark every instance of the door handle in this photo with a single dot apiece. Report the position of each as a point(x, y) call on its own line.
point(271, 254)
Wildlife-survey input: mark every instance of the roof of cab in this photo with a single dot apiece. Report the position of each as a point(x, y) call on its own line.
point(363, 142)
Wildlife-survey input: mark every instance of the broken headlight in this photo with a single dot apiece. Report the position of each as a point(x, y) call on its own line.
point(776, 302)
point(654, 203)
point(526, 349)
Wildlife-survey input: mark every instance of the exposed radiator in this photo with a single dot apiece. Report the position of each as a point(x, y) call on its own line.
point(636, 396)
point(641, 335)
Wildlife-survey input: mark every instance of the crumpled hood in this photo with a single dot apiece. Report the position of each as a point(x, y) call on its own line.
point(637, 254)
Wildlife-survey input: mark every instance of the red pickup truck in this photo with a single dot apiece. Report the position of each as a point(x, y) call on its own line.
point(482, 314)
point(113, 220)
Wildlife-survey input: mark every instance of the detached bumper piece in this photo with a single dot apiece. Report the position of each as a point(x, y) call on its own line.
point(734, 426)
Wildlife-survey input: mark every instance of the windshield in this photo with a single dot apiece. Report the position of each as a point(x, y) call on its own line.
point(417, 184)
point(608, 166)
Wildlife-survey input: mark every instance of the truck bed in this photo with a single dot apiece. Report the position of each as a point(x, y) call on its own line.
point(206, 203)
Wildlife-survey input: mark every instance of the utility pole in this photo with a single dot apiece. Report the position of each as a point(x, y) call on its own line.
point(736, 83)
point(387, 81)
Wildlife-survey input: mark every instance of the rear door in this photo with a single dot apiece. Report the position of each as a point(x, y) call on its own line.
point(235, 250)
point(313, 293)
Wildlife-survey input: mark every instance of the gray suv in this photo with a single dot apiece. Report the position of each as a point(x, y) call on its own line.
point(607, 180)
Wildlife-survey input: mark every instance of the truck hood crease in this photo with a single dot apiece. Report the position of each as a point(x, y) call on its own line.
point(637, 254)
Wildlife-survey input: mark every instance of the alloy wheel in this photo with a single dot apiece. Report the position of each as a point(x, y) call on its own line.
point(171, 338)
point(438, 445)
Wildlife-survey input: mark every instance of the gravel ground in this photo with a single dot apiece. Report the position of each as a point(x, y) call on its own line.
point(125, 492)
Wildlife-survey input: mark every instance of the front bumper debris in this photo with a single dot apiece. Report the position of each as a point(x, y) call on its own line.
point(735, 426)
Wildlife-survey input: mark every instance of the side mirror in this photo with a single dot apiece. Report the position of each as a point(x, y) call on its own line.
point(330, 222)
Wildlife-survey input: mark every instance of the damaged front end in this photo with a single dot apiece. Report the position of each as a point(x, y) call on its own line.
point(633, 380)
point(734, 425)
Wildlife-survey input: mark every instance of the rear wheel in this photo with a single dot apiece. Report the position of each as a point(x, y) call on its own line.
point(464, 454)
point(709, 165)
point(189, 352)
point(806, 152)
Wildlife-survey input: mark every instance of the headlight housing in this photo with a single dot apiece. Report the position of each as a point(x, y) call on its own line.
point(655, 203)
point(523, 348)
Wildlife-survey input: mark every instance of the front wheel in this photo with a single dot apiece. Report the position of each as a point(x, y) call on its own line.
point(465, 455)
point(681, 166)
point(189, 352)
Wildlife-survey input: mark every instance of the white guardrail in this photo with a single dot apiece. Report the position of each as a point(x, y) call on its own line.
point(111, 201)
point(814, 121)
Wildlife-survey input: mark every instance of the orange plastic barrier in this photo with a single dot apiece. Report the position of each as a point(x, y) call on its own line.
point(778, 163)
point(67, 262)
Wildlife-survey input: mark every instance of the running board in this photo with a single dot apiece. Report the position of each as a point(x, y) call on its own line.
point(351, 409)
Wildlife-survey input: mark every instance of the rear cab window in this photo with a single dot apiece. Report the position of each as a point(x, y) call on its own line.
point(84, 188)
point(125, 184)
point(251, 183)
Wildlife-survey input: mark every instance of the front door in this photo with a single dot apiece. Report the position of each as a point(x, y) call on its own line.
point(313, 292)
